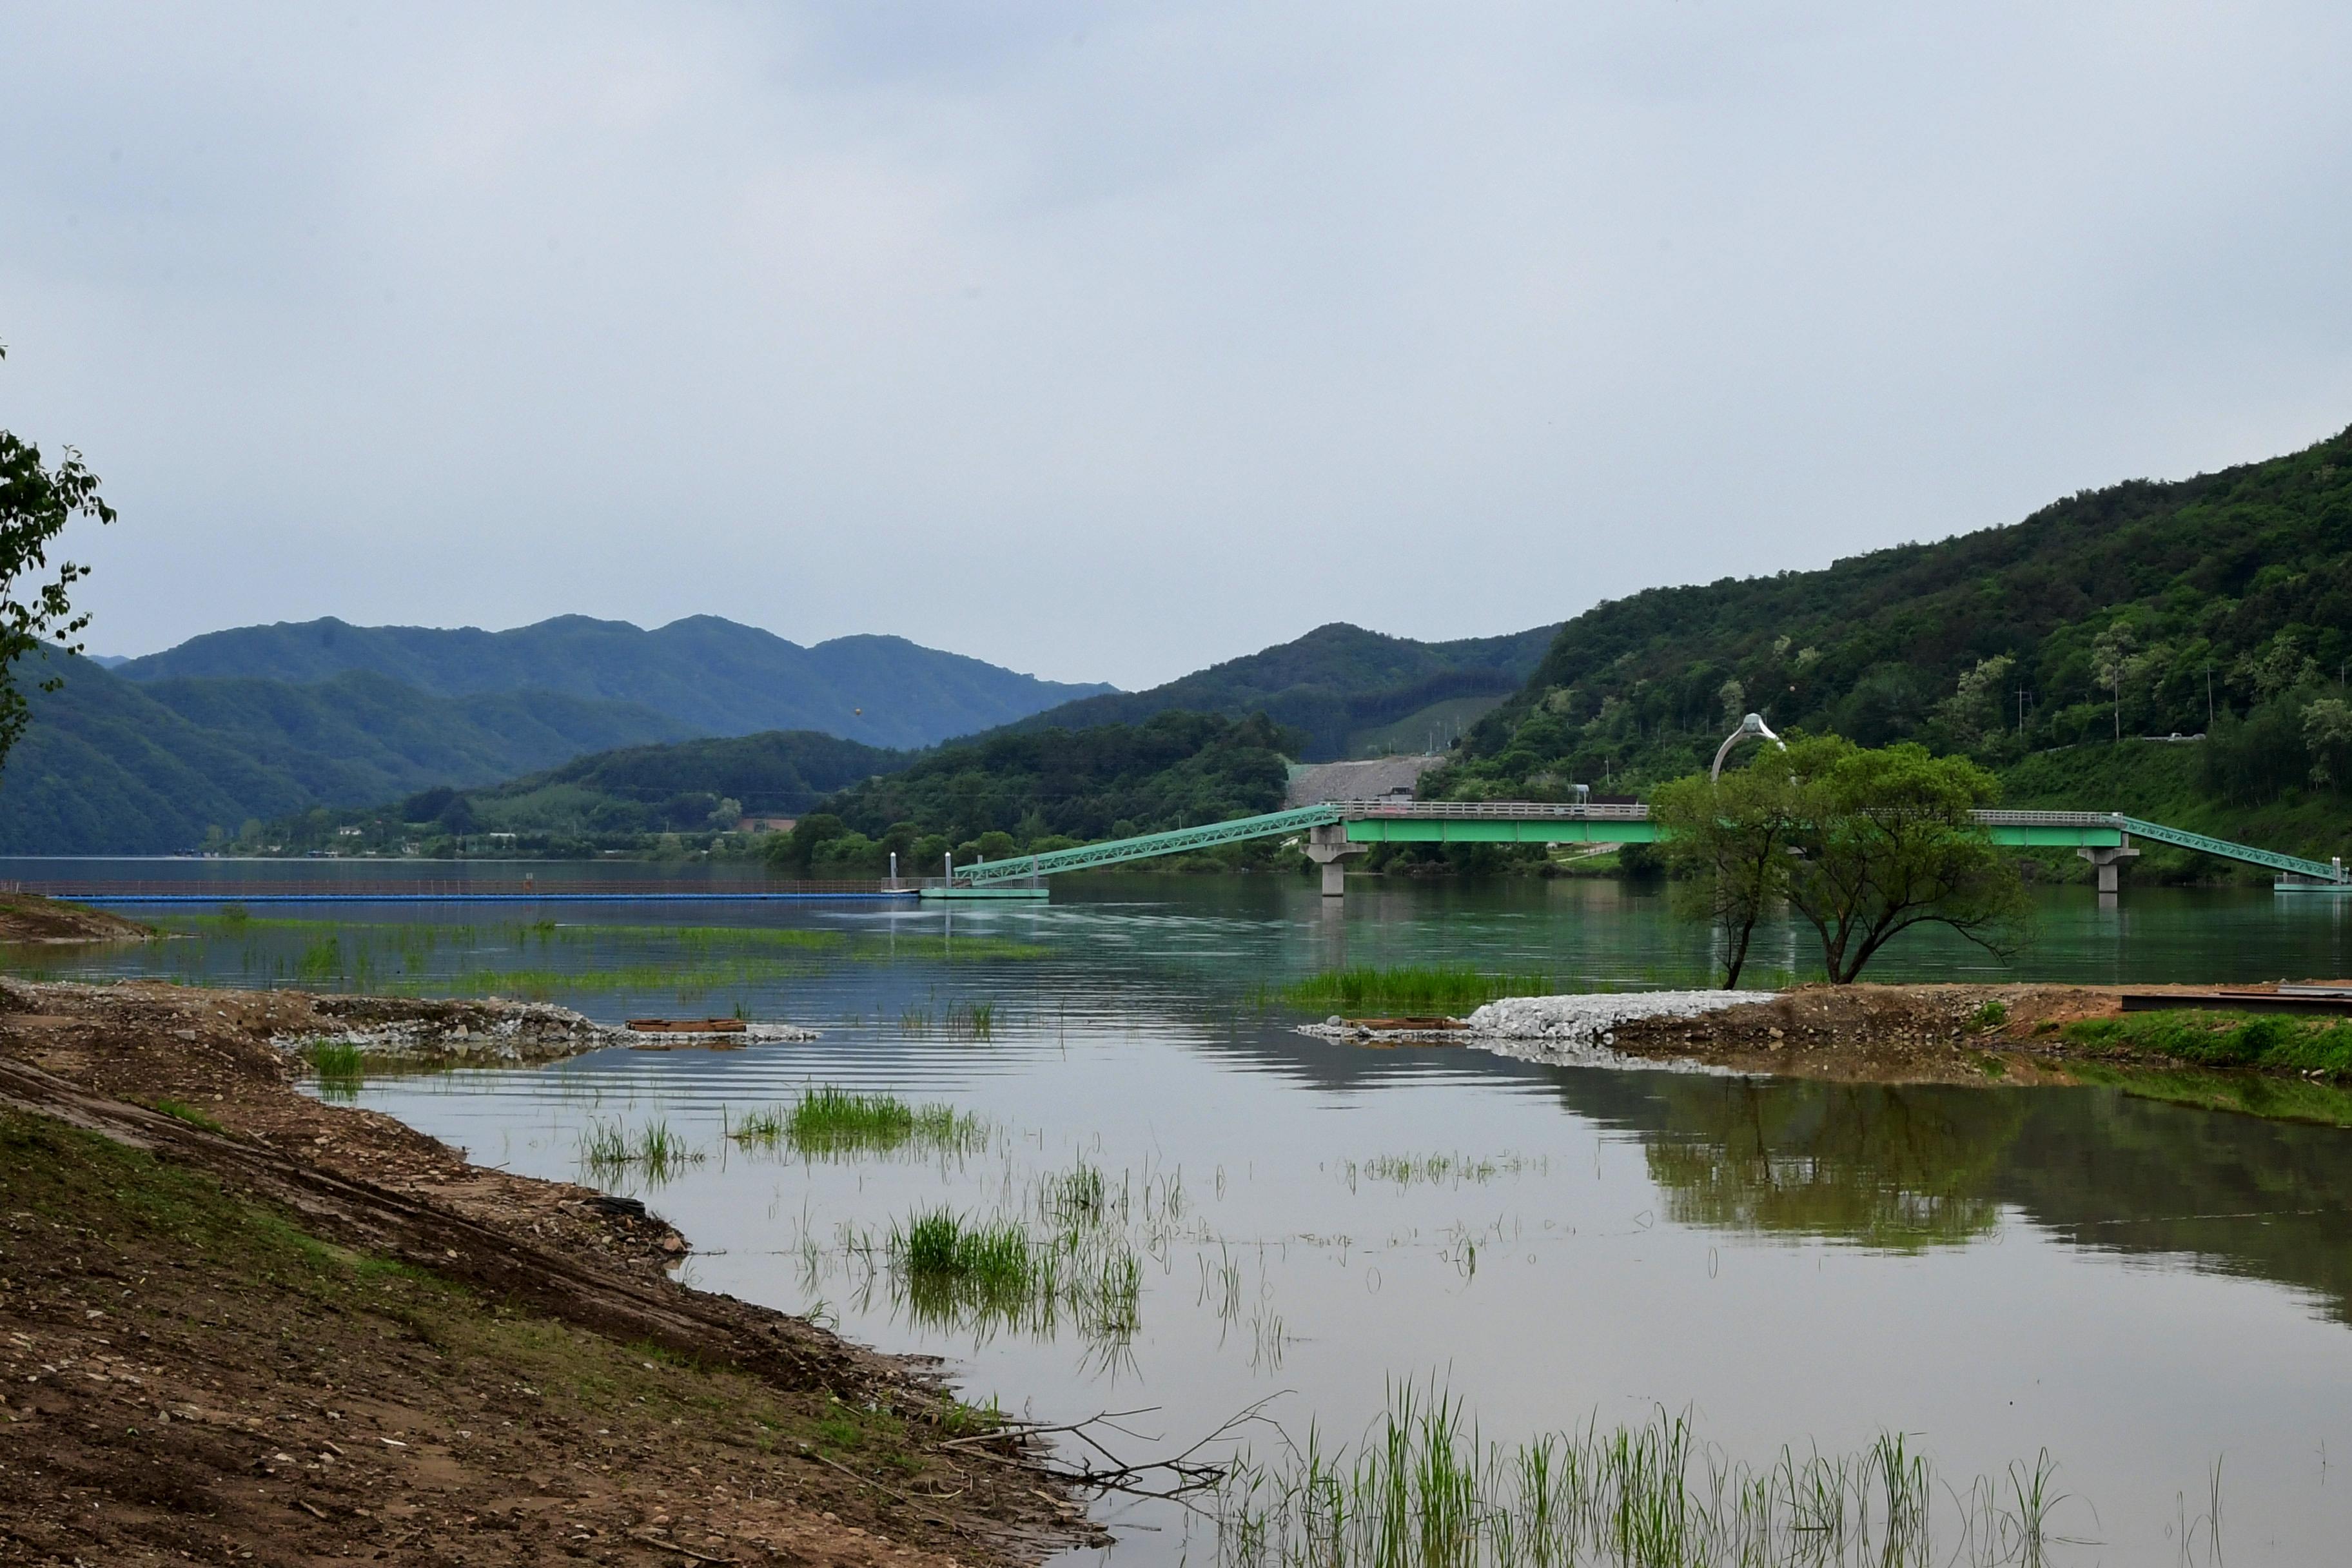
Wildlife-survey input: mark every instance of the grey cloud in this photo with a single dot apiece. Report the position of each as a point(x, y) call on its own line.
point(1106, 342)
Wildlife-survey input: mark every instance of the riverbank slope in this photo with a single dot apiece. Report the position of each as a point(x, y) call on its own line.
point(236, 1322)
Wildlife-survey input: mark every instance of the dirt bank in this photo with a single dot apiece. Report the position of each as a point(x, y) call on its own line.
point(1883, 1033)
point(240, 1325)
point(29, 917)
point(1888, 1033)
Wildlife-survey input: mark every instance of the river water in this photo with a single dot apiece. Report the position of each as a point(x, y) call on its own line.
point(2144, 1291)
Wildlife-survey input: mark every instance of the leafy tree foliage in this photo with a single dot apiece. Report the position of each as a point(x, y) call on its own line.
point(1727, 843)
point(1864, 844)
point(36, 501)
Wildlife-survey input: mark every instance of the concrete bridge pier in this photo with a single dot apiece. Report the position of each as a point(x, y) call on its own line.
point(1328, 846)
point(2105, 861)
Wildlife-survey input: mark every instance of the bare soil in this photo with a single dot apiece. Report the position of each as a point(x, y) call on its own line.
point(29, 917)
point(1898, 1034)
point(239, 1325)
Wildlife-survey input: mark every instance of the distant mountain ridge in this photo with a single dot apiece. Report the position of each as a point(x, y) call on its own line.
point(708, 675)
point(111, 766)
point(1339, 684)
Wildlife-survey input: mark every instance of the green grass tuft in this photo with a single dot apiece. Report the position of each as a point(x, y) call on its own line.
point(189, 1114)
point(834, 1121)
point(1412, 988)
point(609, 1150)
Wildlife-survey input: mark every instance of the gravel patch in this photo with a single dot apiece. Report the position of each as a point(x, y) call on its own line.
point(1582, 1028)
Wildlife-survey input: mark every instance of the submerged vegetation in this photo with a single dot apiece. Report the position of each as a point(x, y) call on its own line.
point(1422, 1488)
point(834, 1121)
point(1414, 987)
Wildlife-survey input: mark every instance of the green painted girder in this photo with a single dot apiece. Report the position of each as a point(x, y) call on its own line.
point(2320, 869)
point(1386, 829)
point(1111, 851)
point(1528, 822)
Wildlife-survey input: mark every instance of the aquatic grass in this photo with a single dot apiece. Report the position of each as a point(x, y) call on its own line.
point(832, 1120)
point(984, 1275)
point(2274, 1042)
point(1438, 1170)
point(1412, 988)
point(1422, 1488)
point(339, 1067)
point(608, 1150)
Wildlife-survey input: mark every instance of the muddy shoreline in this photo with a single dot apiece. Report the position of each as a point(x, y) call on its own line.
point(400, 1356)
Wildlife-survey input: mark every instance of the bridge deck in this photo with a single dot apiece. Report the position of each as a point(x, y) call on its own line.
point(1393, 821)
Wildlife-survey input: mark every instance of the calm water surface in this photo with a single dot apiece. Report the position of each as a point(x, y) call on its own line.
point(2142, 1289)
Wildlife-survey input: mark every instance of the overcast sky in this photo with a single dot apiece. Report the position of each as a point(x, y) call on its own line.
point(1108, 340)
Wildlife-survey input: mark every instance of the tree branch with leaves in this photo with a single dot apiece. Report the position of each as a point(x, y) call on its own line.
point(36, 610)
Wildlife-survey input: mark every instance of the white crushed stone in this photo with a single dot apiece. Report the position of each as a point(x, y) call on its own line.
point(1581, 1029)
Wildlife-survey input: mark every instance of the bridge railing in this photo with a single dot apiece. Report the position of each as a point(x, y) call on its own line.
point(1492, 810)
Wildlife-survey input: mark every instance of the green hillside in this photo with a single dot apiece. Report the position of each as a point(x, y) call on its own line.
point(1056, 788)
point(706, 675)
point(1343, 688)
point(111, 766)
point(694, 792)
point(2114, 611)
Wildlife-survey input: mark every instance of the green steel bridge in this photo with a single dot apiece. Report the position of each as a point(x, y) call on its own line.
point(1337, 829)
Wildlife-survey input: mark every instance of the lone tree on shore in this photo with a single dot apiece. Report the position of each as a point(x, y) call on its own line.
point(1727, 845)
point(36, 504)
point(1863, 845)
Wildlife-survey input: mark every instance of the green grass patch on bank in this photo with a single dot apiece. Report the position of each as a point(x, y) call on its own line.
point(181, 1110)
point(1409, 988)
point(2272, 1041)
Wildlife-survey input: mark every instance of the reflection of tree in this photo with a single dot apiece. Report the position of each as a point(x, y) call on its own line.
point(1883, 1166)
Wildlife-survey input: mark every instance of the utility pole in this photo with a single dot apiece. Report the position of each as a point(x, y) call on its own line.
point(2208, 695)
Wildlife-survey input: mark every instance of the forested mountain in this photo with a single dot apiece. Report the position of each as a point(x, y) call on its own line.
point(1341, 686)
point(111, 766)
point(620, 799)
point(2138, 609)
point(1102, 782)
point(706, 675)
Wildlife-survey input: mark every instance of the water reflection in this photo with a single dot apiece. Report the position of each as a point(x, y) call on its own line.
point(1866, 1162)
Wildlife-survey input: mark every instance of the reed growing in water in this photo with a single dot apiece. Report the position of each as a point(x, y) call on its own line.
point(1424, 1489)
